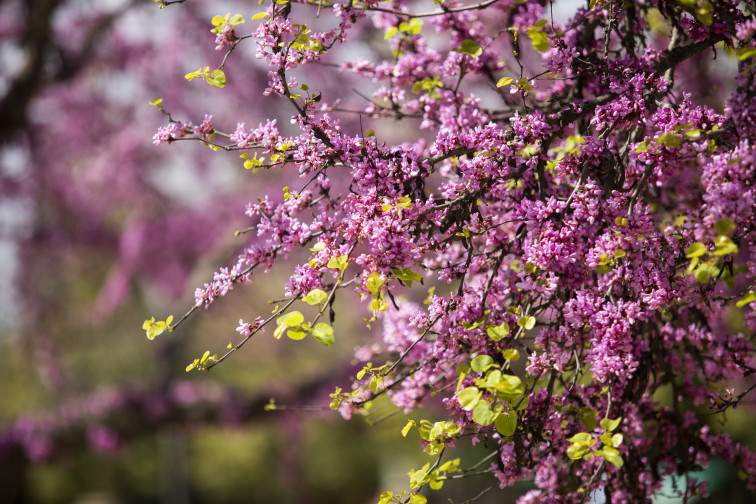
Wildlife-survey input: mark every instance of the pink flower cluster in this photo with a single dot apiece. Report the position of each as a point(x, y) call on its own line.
point(588, 226)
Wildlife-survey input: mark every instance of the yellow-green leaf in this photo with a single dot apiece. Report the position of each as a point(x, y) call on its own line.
point(315, 297)
point(746, 53)
point(217, 79)
point(236, 19)
point(702, 273)
point(506, 423)
point(374, 282)
point(482, 414)
point(724, 246)
point(219, 20)
point(419, 478)
point(670, 139)
point(511, 354)
point(610, 424)
point(724, 226)
point(296, 334)
point(527, 322)
point(498, 332)
point(749, 298)
point(469, 397)
point(340, 262)
point(378, 304)
point(407, 276)
point(323, 333)
point(611, 455)
point(469, 47)
point(406, 428)
point(481, 363)
point(695, 250)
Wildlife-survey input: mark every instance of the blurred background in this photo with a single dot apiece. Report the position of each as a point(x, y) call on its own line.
point(100, 229)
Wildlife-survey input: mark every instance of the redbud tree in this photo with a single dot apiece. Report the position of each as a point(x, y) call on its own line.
point(549, 221)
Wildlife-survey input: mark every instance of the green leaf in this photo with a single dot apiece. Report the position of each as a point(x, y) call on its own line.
point(724, 226)
point(504, 81)
point(695, 250)
point(643, 146)
point(236, 19)
point(609, 425)
point(443, 428)
point(417, 499)
point(287, 320)
point(156, 328)
point(470, 47)
point(506, 423)
point(527, 322)
point(745, 53)
point(202, 72)
point(511, 354)
point(693, 133)
point(259, 15)
point(540, 40)
point(323, 333)
point(470, 326)
point(482, 414)
point(611, 455)
point(510, 385)
point(386, 497)
point(491, 380)
point(315, 297)
point(406, 428)
point(291, 319)
point(498, 332)
point(404, 202)
point(219, 20)
point(296, 334)
point(377, 304)
point(469, 397)
point(340, 262)
point(375, 383)
point(749, 298)
point(589, 418)
point(407, 276)
point(702, 273)
point(419, 478)
point(415, 26)
point(217, 79)
point(581, 446)
point(374, 282)
point(481, 363)
point(724, 246)
point(670, 139)
point(581, 438)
